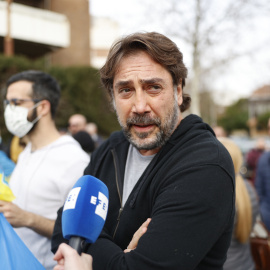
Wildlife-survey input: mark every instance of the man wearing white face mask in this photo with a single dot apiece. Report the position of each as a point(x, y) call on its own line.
point(46, 169)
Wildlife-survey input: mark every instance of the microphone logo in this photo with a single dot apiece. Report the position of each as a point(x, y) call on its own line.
point(101, 202)
point(72, 198)
point(102, 205)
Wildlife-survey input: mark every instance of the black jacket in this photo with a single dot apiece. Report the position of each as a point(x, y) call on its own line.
point(187, 190)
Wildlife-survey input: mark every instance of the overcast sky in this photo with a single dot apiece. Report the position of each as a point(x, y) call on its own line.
point(239, 79)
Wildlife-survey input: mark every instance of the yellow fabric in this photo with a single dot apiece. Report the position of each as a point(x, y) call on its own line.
point(15, 148)
point(5, 191)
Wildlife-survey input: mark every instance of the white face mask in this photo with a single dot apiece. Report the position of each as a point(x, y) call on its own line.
point(16, 120)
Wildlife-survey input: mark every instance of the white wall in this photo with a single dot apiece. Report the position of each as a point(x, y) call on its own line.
point(35, 25)
point(103, 33)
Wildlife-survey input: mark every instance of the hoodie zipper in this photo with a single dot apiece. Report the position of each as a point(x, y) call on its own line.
point(118, 190)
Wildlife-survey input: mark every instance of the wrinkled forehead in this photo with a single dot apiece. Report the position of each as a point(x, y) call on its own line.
point(140, 65)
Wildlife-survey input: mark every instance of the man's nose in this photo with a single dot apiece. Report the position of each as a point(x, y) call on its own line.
point(140, 103)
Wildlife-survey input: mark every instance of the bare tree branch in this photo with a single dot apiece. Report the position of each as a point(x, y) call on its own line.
point(206, 26)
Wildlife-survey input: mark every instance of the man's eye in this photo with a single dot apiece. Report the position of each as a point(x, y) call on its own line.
point(17, 102)
point(154, 88)
point(13, 102)
point(125, 92)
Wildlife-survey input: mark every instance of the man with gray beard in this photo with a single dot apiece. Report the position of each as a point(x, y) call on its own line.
point(161, 166)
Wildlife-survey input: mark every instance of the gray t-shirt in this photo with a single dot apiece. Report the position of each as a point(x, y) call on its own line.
point(135, 166)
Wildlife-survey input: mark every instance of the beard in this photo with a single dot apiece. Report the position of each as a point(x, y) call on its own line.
point(32, 118)
point(152, 139)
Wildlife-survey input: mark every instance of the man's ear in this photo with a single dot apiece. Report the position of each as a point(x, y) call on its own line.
point(179, 93)
point(44, 108)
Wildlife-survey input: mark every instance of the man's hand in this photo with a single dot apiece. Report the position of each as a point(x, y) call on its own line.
point(18, 217)
point(137, 235)
point(68, 259)
point(14, 214)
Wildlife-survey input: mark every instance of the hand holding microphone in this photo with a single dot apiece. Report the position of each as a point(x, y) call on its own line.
point(85, 211)
point(69, 259)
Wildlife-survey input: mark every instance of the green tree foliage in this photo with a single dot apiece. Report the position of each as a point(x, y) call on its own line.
point(263, 121)
point(235, 116)
point(81, 93)
point(12, 65)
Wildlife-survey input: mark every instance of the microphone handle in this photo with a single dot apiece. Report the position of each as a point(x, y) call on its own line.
point(76, 242)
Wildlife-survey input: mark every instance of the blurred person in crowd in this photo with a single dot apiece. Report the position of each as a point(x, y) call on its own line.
point(47, 168)
point(239, 255)
point(160, 166)
point(85, 140)
point(262, 184)
point(252, 158)
point(76, 123)
point(219, 131)
point(77, 129)
point(92, 129)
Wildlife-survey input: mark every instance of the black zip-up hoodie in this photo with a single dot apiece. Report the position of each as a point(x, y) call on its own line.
point(187, 190)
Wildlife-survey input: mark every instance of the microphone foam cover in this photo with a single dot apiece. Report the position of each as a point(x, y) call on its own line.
point(85, 209)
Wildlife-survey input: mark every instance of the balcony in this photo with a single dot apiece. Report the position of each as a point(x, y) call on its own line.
point(35, 31)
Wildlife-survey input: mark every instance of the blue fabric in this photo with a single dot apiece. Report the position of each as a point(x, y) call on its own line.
point(262, 184)
point(6, 164)
point(13, 252)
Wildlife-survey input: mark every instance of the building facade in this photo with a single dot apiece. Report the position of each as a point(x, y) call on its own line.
point(57, 29)
point(259, 101)
point(258, 104)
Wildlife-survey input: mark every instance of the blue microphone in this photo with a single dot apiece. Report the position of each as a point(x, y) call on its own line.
point(85, 211)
